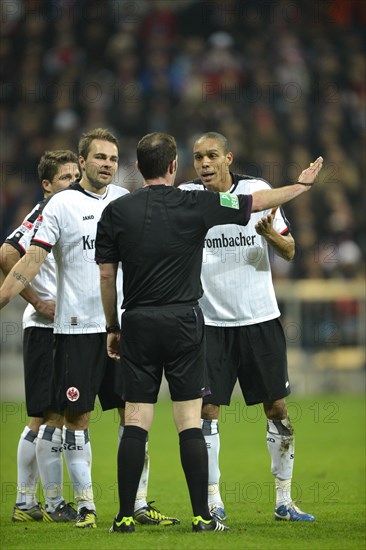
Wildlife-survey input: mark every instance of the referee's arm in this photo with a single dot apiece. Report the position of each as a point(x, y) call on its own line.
point(108, 290)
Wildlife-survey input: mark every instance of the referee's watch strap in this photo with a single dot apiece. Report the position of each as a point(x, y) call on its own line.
point(113, 328)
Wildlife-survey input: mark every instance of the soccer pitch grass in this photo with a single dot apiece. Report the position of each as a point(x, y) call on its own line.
point(328, 480)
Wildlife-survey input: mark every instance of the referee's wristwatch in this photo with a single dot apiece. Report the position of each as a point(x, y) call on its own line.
point(113, 328)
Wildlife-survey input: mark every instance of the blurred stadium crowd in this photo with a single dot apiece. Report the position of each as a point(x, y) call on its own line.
point(284, 80)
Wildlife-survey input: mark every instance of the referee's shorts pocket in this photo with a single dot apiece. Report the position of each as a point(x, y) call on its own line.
point(191, 326)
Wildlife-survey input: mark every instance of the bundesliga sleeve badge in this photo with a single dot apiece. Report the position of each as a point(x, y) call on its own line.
point(229, 201)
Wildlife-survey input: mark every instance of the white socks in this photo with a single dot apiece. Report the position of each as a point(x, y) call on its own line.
point(283, 491)
point(49, 458)
point(78, 458)
point(281, 446)
point(27, 469)
point(141, 494)
point(210, 430)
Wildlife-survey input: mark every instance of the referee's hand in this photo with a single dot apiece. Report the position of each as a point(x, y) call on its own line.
point(113, 345)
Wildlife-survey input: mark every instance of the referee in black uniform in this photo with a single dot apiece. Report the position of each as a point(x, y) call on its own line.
point(158, 233)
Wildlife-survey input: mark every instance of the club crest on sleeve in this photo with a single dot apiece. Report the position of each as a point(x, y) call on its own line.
point(229, 201)
point(72, 394)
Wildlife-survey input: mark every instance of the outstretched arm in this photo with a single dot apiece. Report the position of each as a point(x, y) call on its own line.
point(108, 289)
point(283, 245)
point(22, 274)
point(270, 198)
point(9, 256)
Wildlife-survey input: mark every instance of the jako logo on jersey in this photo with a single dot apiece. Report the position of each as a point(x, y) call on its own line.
point(88, 243)
point(72, 394)
point(88, 218)
point(28, 225)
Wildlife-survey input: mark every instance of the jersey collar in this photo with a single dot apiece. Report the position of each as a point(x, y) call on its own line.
point(235, 178)
point(77, 187)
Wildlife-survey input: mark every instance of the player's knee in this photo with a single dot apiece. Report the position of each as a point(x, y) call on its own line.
point(35, 423)
point(275, 410)
point(53, 419)
point(76, 421)
point(210, 411)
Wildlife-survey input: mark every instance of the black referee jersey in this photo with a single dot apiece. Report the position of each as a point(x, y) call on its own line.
point(158, 233)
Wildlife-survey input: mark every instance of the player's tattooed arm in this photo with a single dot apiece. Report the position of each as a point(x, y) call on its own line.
point(21, 278)
point(22, 274)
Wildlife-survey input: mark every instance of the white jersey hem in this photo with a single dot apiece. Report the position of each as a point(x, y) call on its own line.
point(222, 324)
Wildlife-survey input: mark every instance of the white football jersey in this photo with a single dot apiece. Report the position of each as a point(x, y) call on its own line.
point(44, 284)
point(69, 228)
point(236, 273)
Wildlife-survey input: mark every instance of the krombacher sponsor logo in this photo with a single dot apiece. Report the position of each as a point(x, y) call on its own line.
point(88, 243)
point(227, 242)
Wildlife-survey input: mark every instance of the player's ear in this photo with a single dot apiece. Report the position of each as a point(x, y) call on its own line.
point(81, 162)
point(47, 186)
point(229, 158)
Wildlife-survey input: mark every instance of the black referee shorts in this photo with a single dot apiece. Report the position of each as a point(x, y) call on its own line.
point(38, 348)
point(255, 355)
point(167, 339)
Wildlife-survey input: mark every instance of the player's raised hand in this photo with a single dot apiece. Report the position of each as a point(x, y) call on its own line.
point(265, 225)
point(307, 176)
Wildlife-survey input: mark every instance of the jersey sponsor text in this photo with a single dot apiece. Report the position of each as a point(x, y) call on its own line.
point(225, 242)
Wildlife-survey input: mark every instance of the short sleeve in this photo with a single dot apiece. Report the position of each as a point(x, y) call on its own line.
point(225, 208)
point(106, 249)
point(280, 223)
point(21, 237)
point(49, 231)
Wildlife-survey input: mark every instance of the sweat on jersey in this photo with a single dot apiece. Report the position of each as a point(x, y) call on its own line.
point(44, 284)
point(236, 272)
point(68, 229)
point(158, 233)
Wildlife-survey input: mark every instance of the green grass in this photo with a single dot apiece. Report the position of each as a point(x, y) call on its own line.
point(328, 480)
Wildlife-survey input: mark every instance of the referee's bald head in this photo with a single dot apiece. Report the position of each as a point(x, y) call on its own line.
point(154, 154)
